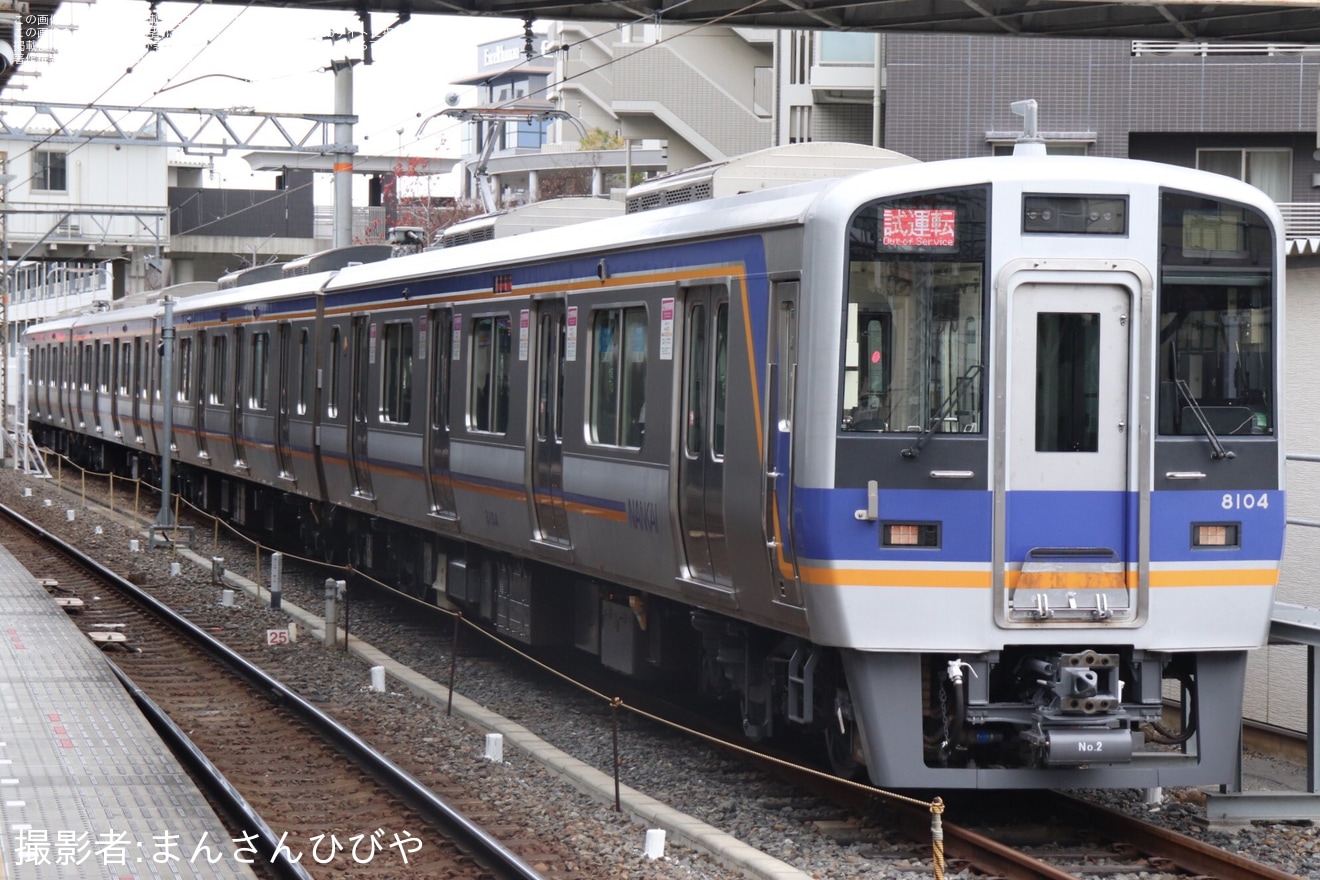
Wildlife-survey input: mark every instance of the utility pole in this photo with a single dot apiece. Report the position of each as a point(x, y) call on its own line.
point(165, 519)
point(344, 148)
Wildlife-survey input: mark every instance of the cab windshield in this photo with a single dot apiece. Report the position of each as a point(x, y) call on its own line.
point(913, 352)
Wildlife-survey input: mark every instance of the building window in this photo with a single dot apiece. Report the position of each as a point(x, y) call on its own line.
point(1267, 170)
point(49, 170)
point(618, 380)
point(396, 374)
point(847, 47)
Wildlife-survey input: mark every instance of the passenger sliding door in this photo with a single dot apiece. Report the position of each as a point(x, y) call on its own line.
point(702, 429)
point(444, 349)
point(283, 456)
point(359, 465)
point(778, 500)
point(547, 442)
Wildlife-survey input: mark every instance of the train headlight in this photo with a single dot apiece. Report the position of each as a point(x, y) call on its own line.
point(1216, 534)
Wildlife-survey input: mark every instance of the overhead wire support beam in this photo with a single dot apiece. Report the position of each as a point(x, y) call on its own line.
point(193, 129)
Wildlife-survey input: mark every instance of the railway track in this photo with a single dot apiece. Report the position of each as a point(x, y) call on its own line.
point(1058, 836)
point(330, 802)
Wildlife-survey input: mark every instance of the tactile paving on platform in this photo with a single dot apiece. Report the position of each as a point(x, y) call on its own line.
point(87, 787)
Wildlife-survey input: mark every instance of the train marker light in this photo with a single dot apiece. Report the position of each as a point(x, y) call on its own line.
point(910, 535)
point(1216, 535)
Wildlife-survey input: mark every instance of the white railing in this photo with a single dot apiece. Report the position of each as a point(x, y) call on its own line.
point(1300, 219)
point(1181, 47)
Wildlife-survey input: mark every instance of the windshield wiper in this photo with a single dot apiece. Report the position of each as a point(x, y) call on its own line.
point(1219, 451)
point(944, 409)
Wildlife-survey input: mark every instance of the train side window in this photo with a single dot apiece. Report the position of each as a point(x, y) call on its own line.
point(88, 367)
point(185, 371)
point(105, 350)
point(333, 356)
point(618, 377)
point(304, 371)
point(396, 373)
point(219, 352)
point(260, 370)
point(488, 396)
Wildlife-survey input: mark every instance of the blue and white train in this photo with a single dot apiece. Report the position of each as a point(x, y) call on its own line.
point(963, 468)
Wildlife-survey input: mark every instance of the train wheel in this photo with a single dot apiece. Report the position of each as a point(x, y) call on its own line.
point(843, 746)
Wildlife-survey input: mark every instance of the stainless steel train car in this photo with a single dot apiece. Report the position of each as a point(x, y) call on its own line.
point(960, 469)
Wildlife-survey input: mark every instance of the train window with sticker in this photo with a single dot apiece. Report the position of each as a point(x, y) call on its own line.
point(913, 341)
point(618, 377)
point(488, 394)
point(396, 373)
point(260, 370)
point(1216, 318)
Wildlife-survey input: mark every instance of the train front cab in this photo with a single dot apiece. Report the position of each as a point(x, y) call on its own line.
point(1059, 427)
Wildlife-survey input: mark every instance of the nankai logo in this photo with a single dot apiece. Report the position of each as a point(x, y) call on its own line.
point(644, 515)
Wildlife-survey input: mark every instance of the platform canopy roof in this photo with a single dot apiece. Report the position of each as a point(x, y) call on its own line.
point(1249, 20)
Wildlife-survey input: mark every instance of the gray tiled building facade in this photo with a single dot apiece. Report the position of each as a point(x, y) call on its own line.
point(949, 96)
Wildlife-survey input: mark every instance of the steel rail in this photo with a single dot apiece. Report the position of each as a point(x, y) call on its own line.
point(505, 864)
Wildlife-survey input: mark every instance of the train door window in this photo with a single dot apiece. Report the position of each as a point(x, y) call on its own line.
point(185, 371)
point(550, 378)
point(139, 369)
point(695, 423)
point(441, 354)
point(219, 369)
point(260, 370)
point(720, 380)
point(304, 372)
point(88, 367)
point(1067, 382)
point(787, 338)
point(489, 392)
point(333, 356)
point(396, 373)
point(1216, 318)
point(103, 375)
point(125, 371)
point(913, 341)
point(618, 377)
point(199, 357)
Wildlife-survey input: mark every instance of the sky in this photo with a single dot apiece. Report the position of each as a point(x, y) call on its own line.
point(100, 56)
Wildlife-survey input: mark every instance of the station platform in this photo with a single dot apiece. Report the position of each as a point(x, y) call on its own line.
point(87, 787)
